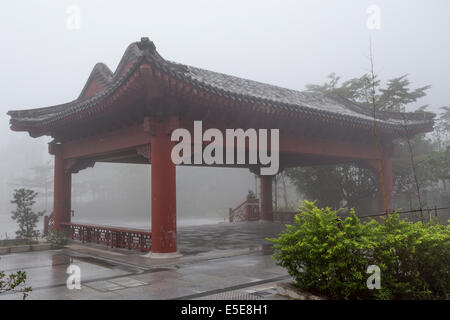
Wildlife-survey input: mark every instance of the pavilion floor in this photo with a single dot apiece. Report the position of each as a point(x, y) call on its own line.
point(232, 260)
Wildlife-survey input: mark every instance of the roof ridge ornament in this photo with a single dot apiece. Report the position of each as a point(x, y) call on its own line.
point(146, 44)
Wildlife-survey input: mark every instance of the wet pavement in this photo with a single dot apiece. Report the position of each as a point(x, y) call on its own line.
point(221, 261)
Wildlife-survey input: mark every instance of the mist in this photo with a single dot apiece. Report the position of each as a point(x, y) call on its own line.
point(289, 44)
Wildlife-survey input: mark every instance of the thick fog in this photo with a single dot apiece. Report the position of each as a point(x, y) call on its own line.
point(285, 43)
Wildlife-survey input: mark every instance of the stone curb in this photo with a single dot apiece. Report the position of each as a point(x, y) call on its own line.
point(28, 248)
point(288, 289)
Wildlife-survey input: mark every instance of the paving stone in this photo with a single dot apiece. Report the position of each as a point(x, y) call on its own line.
point(104, 285)
point(128, 282)
point(131, 276)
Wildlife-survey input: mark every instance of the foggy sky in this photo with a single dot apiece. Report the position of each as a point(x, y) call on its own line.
point(286, 43)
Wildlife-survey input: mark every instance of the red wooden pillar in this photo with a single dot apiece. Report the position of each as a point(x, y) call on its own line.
point(266, 198)
point(68, 197)
point(385, 205)
point(164, 227)
point(59, 189)
point(384, 181)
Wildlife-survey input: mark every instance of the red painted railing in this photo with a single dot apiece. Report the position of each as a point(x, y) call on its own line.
point(110, 236)
point(246, 211)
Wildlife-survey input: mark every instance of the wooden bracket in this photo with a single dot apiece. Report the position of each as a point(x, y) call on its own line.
point(53, 147)
point(144, 151)
point(76, 165)
point(69, 164)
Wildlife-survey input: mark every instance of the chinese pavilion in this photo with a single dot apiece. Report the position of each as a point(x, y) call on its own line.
point(128, 116)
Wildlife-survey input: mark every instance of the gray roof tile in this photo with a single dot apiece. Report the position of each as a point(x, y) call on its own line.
point(240, 89)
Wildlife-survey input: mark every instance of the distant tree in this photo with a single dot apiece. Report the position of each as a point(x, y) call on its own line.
point(442, 129)
point(281, 188)
point(24, 215)
point(394, 96)
point(356, 89)
point(397, 95)
point(346, 185)
point(334, 185)
point(38, 178)
point(437, 166)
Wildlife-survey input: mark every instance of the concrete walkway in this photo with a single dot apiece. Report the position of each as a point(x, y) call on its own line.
point(222, 261)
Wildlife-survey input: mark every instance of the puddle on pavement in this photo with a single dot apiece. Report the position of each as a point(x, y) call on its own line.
point(69, 258)
point(61, 259)
point(267, 249)
point(97, 262)
point(152, 270)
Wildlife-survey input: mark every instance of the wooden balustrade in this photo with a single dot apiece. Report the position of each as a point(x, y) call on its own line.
point(246, 211)
point(110, 236)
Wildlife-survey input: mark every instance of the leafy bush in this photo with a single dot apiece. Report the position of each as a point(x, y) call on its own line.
point(14, 282)
point(24, 214)
point(328, 255)
point(414, 258)
point(57, 237)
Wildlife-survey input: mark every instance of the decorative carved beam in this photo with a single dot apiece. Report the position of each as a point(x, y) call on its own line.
point(83, 164)
point(107, 142)
point(75, 165)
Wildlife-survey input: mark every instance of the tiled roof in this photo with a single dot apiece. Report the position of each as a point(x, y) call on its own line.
point(243, 90)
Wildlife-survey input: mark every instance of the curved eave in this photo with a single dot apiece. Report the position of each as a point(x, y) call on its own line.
point(103, 88)
point(42, 121)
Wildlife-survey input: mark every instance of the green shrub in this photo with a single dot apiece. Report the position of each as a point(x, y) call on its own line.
point(57, 237)
point(14, 282)
point(328, 255)
point(414, 258)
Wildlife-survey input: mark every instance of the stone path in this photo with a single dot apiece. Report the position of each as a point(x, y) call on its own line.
point(223, 261)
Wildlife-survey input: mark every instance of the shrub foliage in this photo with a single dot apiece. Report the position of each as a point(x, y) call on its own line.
point(14, 282)
point(329, 255)
point(24, 215)
point(57, 237)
